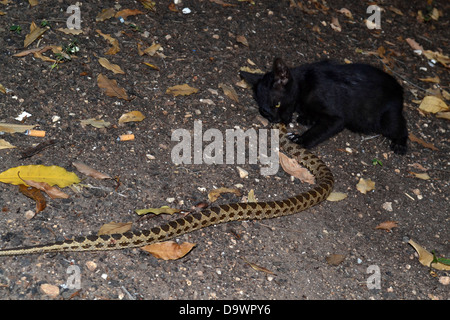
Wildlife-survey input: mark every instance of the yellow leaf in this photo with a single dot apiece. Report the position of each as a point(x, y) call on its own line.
point(182, 89)
point(426, 258)
point(365, 185)
point(131, 116)
point(39, 173)
point(336, 196)
point(163, 209)
point(433, 104)
point(169, 250)
point(114, 227)
point(423, 176)
point(151, 66)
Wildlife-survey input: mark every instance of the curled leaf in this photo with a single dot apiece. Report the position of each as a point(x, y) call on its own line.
point(181, 90)
point(34, 194)
point(292, 167)
point(83, 168)
point(132, 116)
point(365, 185)
point(215, 194)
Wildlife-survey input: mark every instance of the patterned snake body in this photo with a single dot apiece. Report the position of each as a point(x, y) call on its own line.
point(207, 217)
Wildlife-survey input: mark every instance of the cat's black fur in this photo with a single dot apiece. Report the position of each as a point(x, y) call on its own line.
point(330, 97)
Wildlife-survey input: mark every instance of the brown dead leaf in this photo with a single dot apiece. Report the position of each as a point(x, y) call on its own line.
point(431, 79)
point(150, 51)
point(169, 250)
point(105, 14)
point(215, 194)
point(114, 227)
point(335, 24)
point(336, 196)
point(256, 267)
point(128, 12)
point(83, 168)
point(413, 138)
point(223, 4)
point(346, 13)
point(35, 33)
point(335, 259)
point(242, 39)
point(111, 88)
point(110, 66)
point(34, 194)
point(441, 58)
point(53, 192)
point(365, 185)
point(413, 44)
point(292, 167)
point(114, 42)
point(229, 92)
point(387, 225)
point(443, 115)
point(181, 90)
point(433, 104)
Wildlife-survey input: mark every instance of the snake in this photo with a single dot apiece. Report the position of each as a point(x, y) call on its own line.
point(215, 215)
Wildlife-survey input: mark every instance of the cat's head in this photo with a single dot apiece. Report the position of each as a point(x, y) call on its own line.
point(274, 92)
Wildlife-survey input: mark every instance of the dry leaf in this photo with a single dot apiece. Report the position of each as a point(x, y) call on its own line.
point(110, 66)
point(114, 42)
point(111, 88)
point(151, 51)
point(256, 267)
point(34, 194)
point(387, 225)
point(2, 89)
point(413, 138)
point(423, 176)
point(148, 4)
point(151, 66)
point(431, 79)
point(95, 123)
point(128, 12)
point(223, 4)
point(292, 167)
point(70, 31)
point(35, 33)
point(132, 116)
point(229, 92)
point(114, 227)
point(443, 115)
point(169, 250)
point(335, 24)
point(251, 196)
point(395, 10)
point(365, 185)
point(426, 258)
point(413, 44)
point(215, 194)
point(443, 59)
point(335, 259)
point(5, 144)
point(53, 192)
point(183, 90)
point(433, 104)
point(242, 39)
point(346, 12)
point(39, 173)
point(12, 127)
point(105, 14)
point(336, 196)
point(83, 168)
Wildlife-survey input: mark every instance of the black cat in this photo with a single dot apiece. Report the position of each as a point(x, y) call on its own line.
point(330, 97)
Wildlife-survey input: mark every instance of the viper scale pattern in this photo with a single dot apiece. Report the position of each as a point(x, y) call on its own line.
point(207, 217)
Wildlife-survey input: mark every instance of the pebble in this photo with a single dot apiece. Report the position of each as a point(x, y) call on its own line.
point(49, 289)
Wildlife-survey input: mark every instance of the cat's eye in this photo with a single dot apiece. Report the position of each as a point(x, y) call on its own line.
point(278, 105)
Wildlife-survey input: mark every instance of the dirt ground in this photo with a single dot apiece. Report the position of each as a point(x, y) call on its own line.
point(205, 49)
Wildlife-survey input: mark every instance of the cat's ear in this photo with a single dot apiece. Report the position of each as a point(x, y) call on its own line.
point(251, 78)
point(281, 72)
